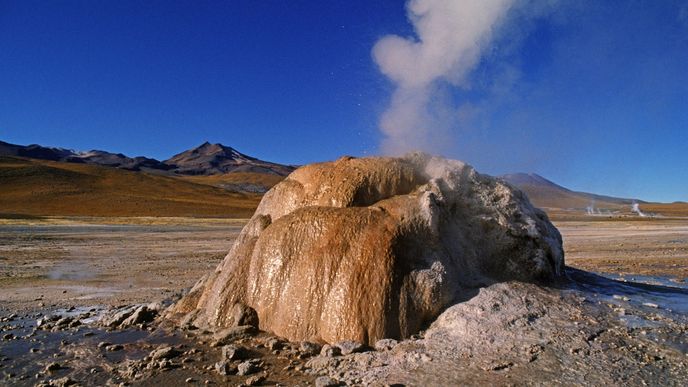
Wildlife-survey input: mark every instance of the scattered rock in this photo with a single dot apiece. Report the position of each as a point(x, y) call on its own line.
point(274, 343)
point(308, 348)
point(234, 352)
point(330, 351)
point(118, 317)
point(322, 363)
point(254, 380)
point(348, 347)
point(224, 368)
point(164, 353)
point(141, 315)
point(247, 368)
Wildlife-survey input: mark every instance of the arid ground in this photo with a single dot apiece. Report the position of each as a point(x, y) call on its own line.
point(57, 263)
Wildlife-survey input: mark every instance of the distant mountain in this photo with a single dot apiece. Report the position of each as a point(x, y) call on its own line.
point(35, 151)
point(547, 194)
point(206, 159)
point(94, 157)
point(118, 160)
point(214, 159)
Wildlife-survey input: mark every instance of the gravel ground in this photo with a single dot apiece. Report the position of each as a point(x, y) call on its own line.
point(586, 330)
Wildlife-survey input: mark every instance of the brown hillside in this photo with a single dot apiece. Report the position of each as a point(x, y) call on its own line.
point(552, 197)
point(666, 209)
point(39, 187)
point(237, 180)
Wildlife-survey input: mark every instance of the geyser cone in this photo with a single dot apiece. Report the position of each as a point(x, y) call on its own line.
point(363, 249)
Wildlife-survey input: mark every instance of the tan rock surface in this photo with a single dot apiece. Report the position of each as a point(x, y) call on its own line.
point(363, 249)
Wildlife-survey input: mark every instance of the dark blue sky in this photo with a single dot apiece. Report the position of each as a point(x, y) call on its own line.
point(593, 95)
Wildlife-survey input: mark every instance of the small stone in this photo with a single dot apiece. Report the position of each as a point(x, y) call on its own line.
point(8, 337)
point(321, 363)
point(115, 347)
point(274, 343)
point(330, 351)
point(326, 381)
point(104, 344)
point(140, 316)
point(64, 321)
point(349, 347)
point(234, 352)
point(308, 348)
point(116, 319)
point(164, 364)
point(254, 380)
point(189, 380)
point(224, 368)
point(164, 353)
point(247, 368)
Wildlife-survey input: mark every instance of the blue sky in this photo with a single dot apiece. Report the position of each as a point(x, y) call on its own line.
point(592, 95)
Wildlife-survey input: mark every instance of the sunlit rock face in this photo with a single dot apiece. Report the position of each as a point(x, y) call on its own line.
point(370, 248)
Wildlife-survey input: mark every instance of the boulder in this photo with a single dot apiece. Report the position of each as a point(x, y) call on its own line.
point(141, 315)
point(372, 248)
point(348, 347)
point(165, 352)
point(234, 352)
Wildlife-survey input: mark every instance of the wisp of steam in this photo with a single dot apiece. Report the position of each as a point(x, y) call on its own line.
point(635, 207)
point(450, 37)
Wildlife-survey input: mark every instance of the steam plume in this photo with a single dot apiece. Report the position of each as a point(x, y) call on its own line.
point(451, 36)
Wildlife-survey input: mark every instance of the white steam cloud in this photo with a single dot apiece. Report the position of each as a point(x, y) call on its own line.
point(451, 36)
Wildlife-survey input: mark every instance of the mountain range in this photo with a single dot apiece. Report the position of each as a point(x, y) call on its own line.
point(206, 159)
point(548, 194)
point(561, 202)
point(208, 180)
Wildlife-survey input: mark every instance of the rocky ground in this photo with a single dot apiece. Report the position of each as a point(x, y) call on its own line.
point(628, 246)
point(71, 314)
point(63, 262)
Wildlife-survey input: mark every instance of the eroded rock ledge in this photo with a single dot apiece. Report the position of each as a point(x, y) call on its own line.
point(372, 248)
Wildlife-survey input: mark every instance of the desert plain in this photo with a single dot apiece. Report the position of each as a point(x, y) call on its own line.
point(98, 264)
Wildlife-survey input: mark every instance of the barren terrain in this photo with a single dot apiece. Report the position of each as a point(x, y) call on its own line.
point(649, 247)
point(48, 188)
point(51, 265)
point(58, 262)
